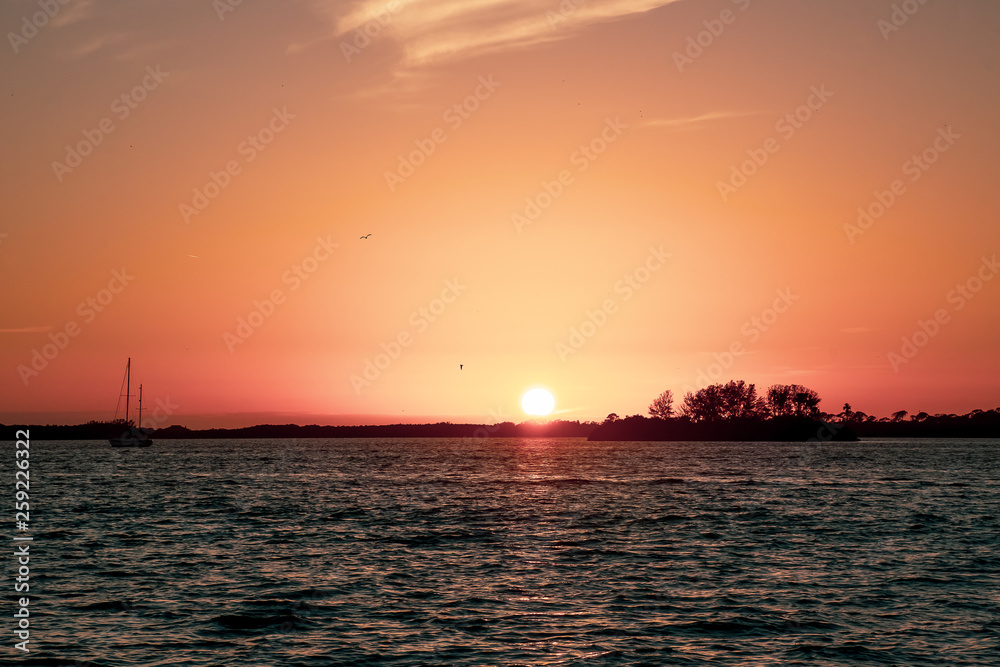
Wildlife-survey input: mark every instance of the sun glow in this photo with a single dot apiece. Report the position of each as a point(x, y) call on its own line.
point(538, 402)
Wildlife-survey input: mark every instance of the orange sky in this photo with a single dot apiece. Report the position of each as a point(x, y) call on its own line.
point(525, 170)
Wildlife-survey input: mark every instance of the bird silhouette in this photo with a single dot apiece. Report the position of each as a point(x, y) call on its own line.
point(366, 236)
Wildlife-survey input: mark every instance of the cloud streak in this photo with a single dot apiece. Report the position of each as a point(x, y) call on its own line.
point(435, 31)
point(27, 330)
point(698, 120)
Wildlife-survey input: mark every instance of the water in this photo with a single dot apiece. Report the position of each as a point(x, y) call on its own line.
point(513, 552)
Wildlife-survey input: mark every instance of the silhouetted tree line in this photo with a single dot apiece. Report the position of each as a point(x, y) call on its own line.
point(92, 430)
point(738, 400)
point(974, 424)
point(730, 411)
point(734, 411)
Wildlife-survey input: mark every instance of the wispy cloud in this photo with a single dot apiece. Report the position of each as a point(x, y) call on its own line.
point(74, 13)
point(701, 119)
point(102, 27)
point(432, 31)
point(96, 43)
point(27, 330)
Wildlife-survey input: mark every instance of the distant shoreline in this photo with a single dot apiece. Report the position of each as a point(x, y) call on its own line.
point(636, 428)
point(104, 430)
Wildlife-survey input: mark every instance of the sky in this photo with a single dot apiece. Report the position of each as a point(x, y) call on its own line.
point(604, 199)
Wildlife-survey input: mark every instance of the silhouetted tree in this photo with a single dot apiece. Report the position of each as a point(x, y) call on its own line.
point(899, 415)
point(611, 418)
point(792, 399)
point(663, 405)
point(778, 399)
point(806, 401)
point(733, 400)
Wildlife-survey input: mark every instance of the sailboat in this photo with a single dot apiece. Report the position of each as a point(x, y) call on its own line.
point(135, 435)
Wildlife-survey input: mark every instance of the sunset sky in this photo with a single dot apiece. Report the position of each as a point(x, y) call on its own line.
point(599, 198)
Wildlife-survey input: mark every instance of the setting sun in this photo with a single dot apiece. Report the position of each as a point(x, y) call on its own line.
point(538, 402)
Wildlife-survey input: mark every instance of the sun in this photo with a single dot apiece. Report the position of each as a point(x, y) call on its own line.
point(538, 402)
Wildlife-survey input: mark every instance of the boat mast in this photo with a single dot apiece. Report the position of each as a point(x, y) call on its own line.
point(128, 380)
point(139, 423)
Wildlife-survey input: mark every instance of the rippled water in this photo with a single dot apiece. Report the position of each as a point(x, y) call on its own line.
point(514, 552)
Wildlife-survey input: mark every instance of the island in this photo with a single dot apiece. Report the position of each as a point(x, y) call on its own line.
point(731, 412)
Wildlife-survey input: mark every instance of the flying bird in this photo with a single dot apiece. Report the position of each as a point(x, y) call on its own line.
point(366, 236)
